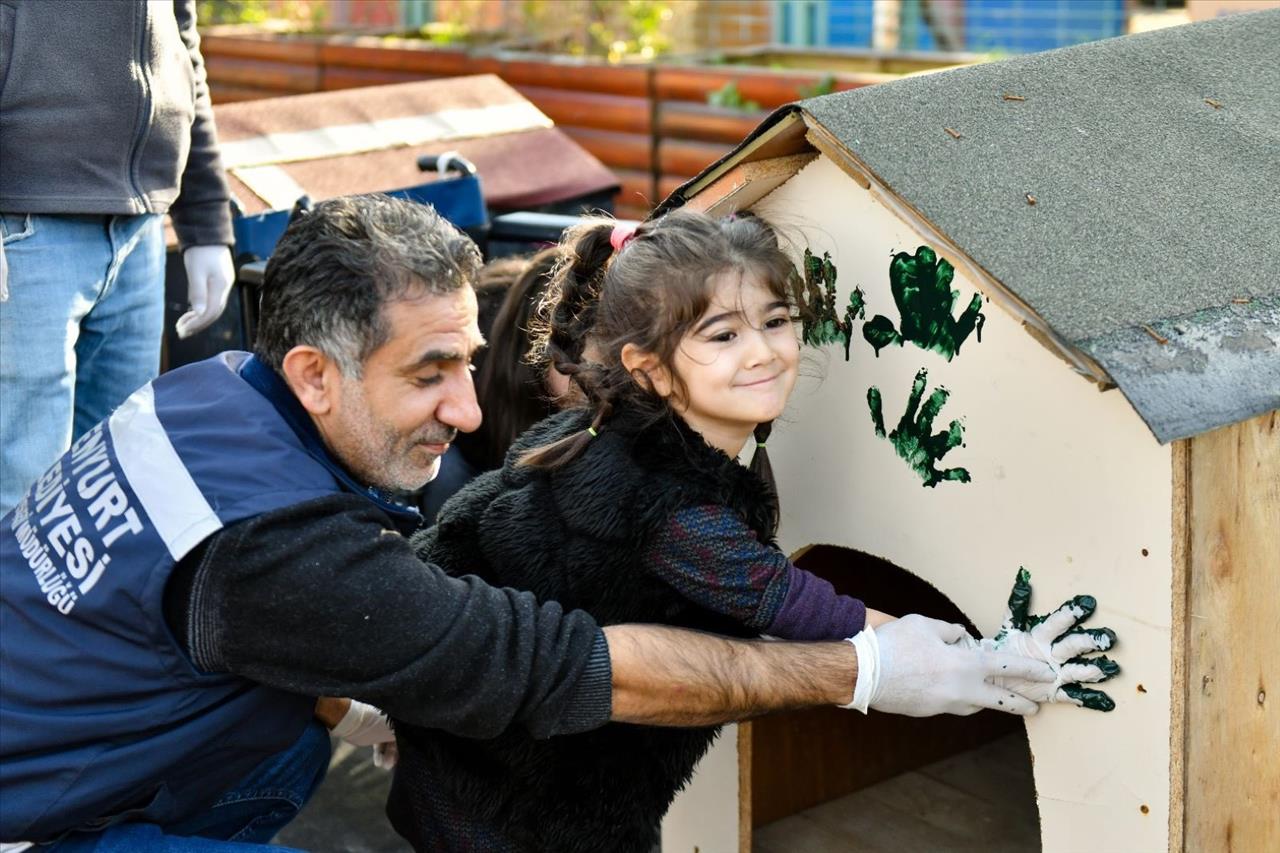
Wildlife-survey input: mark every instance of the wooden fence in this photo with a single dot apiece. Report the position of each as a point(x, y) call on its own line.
point(650, 123)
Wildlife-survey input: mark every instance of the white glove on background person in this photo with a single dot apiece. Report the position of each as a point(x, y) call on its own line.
point(4, 276)
point(385, 755)
point(364, 725)
point(918, 667)
point(210, 274)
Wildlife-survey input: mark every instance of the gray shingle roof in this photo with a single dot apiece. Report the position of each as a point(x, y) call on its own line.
point(1154, 161)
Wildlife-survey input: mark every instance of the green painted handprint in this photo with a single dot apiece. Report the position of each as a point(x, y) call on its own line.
point(913, 437)
point(1057, 639)
point(816, 296)
point(921, 286)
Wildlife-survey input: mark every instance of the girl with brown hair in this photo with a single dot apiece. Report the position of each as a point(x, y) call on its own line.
point(632, 506)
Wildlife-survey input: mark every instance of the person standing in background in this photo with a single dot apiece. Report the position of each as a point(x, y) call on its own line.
point(105, 125)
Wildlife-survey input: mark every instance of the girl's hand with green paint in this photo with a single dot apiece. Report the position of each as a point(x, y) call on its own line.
point(1058, 640)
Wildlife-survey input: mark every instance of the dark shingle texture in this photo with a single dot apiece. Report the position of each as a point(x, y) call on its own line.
point(1153, 207)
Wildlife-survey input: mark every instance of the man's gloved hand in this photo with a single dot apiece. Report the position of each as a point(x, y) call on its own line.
point(210, 274)
point(918, 667)
point(1058, 640)
point(364, 725)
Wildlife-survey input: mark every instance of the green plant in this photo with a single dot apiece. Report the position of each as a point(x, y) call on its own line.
point(824, 86)
point(607, 28)
point(729, 97)
point(299, 14)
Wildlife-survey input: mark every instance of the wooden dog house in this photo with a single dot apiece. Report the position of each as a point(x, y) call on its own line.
point(1079, 247)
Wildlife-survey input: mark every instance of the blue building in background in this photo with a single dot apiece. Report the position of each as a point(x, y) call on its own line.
point(983, 26)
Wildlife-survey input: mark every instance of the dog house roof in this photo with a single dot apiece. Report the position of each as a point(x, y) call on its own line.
point(1127, 191)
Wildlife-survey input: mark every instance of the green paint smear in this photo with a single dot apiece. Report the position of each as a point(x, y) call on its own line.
point(816, 296)
point(921, 286)
point(1095, 700)
point(1110, 669)
point(1019, 604)
point(913, 438)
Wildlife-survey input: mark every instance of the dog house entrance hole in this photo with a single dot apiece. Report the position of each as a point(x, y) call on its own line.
point(829, 779)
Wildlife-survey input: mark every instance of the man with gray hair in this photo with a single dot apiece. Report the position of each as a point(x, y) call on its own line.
point(185, 583)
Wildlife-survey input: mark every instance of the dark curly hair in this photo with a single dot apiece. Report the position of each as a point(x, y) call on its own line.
point(650, 294)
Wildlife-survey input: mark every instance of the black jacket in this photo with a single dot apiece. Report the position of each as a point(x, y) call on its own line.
point(575, 536)
point(104, 109)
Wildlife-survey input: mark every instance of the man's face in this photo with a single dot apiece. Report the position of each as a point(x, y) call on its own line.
point(391, 426)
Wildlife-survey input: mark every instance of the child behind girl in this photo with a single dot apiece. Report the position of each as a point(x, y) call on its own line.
point(632, 507)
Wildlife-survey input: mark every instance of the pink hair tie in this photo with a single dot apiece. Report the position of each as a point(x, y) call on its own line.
point(623, 234)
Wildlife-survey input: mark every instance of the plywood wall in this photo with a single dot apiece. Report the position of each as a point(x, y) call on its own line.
point(1232, 718)
point(1066, 481)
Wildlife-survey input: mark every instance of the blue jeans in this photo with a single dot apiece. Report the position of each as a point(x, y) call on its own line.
point(79, 332)
point(244, 819)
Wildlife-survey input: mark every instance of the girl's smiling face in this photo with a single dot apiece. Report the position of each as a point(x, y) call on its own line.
point(739, 362)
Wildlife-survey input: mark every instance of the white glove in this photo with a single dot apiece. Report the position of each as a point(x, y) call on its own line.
point(918, 667)
point(364, 725)
point(210, 274)
point(4, 276)
point(1059, 641)
point(385, 755)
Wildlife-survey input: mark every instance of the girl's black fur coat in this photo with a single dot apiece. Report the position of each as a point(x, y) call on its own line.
point(577, 536)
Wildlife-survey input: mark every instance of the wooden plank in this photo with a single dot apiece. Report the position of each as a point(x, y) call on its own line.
point(687, 158)
point(747, 183)
point(1233, 703)
point(685, 120)
point(802, 758)
point(940, 808)
point(277, 48)
point(637, 190)
point(632, 211)
point(766, 87)
point(607, 79)
point(587, 109)
point(621, 150)
point(667, 184)
point(1180, 568)
point(335, 77)
point(784, 138)
point(282, 77)
point(426, 60)
point(226, 94)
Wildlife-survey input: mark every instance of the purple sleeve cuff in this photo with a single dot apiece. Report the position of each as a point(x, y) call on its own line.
point(813, 610)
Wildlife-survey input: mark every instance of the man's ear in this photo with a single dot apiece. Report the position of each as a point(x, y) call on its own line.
point(313, 377)
point(645, 369)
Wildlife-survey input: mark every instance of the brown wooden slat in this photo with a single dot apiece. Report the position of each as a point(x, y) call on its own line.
point(685, 157)
point(333, 77)
point(224, 94)
point(630, 211)
point(284, 78)
point(280, 49)
point(621, 150)
point(426, 60)
point(667, 184)
point(768, 88)
point(687, 120)
point(607, 79)
point(1233, 655)
point(586, 109)
point(637, 189)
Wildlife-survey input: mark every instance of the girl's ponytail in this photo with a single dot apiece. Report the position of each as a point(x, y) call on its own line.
point(566, 316)
point(763, 468)
point(568, 308)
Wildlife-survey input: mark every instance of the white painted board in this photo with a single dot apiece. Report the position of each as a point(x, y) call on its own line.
point(704, 816)
point(1066, 480)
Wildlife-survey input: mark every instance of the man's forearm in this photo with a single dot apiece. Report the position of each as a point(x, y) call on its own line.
point(672, 677)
